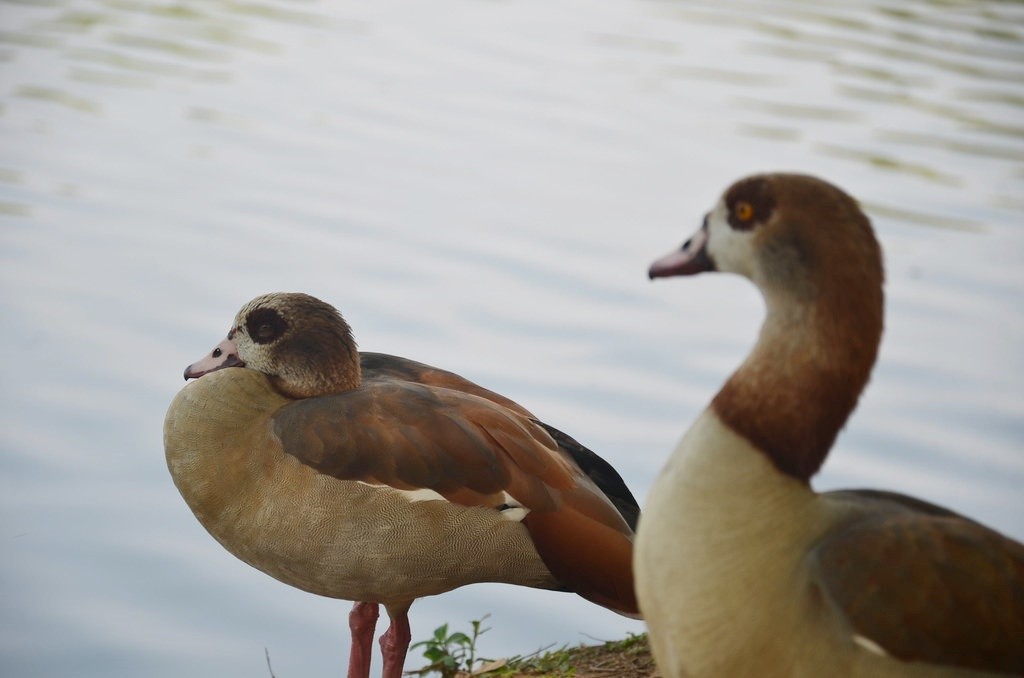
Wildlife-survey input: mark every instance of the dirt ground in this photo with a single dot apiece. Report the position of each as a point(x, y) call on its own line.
point(629, 658)
point(607, 661)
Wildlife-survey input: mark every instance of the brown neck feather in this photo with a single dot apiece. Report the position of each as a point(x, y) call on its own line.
point(795, 391)
point(321, 360)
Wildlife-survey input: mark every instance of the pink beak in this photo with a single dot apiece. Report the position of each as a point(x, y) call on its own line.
point(690, 259)
point(224, 355)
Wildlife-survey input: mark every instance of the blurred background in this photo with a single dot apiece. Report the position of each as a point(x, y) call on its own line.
point(480, 185)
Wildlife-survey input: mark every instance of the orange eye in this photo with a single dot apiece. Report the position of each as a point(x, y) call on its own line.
point(744, 211)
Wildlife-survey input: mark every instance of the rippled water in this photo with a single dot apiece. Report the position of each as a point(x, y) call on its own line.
point(479, 185)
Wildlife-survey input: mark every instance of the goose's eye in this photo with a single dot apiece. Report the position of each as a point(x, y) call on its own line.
point(744, 211)
point(264, 332)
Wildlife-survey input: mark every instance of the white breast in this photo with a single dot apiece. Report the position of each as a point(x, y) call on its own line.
point(717, 551)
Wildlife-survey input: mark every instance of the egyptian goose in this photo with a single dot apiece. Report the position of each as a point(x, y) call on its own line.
point(742, 569)
point(376, 479)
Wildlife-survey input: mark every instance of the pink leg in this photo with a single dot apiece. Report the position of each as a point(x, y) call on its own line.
point(395, 641)
point(362, 621)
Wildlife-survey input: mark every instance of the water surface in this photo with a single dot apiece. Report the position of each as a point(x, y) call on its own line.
point(479, 185)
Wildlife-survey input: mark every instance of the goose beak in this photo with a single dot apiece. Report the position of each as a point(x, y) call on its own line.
point(224, 355)
point(690, 259)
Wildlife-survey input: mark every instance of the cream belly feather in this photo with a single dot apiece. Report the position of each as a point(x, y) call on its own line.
point(281, 516)
point(742, 602)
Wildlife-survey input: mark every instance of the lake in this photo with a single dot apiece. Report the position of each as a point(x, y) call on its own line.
point(479, 185)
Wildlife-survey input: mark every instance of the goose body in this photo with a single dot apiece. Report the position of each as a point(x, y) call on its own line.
point(377, 479)
point(742, 569)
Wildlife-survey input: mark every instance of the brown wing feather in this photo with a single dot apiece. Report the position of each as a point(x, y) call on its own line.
point(589, 555)
point(401, 434)
point(470, 449)
point(927, 584)
point(382, 368)
point(385, 367)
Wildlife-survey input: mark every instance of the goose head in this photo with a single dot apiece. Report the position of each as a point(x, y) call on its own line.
point(302, 344)
point(797, 238)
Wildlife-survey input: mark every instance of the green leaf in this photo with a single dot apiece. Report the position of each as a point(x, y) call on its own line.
point(460, 638)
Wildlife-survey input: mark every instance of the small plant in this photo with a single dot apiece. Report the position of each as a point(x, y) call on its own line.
point(454, 656)
point(450, 654)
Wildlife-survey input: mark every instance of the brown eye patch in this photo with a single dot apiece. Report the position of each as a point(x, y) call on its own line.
point(750, 202)
point(265, 325)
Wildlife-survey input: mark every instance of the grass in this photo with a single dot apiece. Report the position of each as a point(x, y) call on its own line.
point(453, 655)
